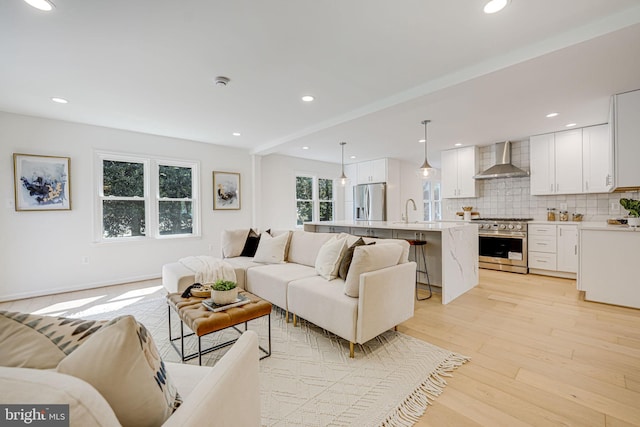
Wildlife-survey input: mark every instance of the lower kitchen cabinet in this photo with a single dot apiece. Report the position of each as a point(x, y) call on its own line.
point(553, 249)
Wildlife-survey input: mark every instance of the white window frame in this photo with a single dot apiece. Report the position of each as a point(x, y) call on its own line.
point(315, 200)
point(151, 198)
point(431, 202)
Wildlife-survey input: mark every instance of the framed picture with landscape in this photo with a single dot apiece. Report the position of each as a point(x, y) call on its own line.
point(41, 183)
point(226, 190)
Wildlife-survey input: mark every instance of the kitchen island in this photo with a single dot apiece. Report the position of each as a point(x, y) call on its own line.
point(607, 269)
point(451, 249)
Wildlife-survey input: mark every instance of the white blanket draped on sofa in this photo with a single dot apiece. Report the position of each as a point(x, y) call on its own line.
point(208, 269)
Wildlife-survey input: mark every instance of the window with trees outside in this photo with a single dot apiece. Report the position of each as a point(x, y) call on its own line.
point(432, 200)
point(315, 200)
point(142, 197)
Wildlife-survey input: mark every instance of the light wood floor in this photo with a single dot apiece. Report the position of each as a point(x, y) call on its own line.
point(540, 355)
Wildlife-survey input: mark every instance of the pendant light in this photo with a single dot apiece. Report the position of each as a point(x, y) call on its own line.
point(426, 168)
point(343, 177)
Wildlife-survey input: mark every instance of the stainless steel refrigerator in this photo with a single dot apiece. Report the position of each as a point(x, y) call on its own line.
point(370, 202)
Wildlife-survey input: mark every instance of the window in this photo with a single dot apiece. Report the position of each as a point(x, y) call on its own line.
point(129, 209)
point(304, 199)
point(432, 200)
point(325, 198)
point(314, 199)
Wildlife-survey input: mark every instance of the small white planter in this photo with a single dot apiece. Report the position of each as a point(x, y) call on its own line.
point(633, 221)
point(224, 297)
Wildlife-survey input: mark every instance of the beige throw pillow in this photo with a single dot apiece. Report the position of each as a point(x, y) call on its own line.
point(41, 342)
point(233, 242)
point(329, 256)
point(271, 250)
point(369, 258)
point(121, 361)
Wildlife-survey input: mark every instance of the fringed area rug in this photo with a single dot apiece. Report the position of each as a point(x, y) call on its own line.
point(309, 380)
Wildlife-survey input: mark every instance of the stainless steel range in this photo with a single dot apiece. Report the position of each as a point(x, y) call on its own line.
point(503, 244)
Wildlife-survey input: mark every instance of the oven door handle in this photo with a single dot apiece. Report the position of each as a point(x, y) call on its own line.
point(507, 236)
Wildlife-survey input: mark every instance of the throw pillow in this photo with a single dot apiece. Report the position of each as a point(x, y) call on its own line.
point(271, 249)
point(121, 361)
point(329, 256)
point(40, 342)
point(345, 262)
point(233, 242)
point(251, 244)
point(369, 258)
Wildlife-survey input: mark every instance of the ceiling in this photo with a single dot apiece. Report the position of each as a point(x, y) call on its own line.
point(376, 68)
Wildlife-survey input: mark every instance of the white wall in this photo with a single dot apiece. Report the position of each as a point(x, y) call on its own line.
point(278, 191)
point(42, 251)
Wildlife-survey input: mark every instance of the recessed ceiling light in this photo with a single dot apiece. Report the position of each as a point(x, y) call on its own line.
point(458, 144)
point(421, 141)
point(305, 148)
point(552, 115)
point(59, 100)
point(352, 157)
point(570, 125)
point(495, 6)
point(236, 134)
point(308, 98)
point(44, 5)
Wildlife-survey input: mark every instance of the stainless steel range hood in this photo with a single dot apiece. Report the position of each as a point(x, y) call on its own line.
point(503, 167)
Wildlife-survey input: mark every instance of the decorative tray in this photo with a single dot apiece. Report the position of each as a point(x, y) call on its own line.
point(201, 291)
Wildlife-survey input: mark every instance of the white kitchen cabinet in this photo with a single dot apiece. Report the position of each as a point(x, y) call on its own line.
point(626, 117)
point(351, 171)
point(553, 249)
point(567, 243)
point(458, 169)
point(556, 163)
point(608, 268)
point(372, 171)
point(597, 159)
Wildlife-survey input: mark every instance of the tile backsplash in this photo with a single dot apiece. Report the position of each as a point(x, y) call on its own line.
point(510, 197)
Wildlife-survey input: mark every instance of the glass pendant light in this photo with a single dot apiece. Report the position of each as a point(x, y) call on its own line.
point(426, 168)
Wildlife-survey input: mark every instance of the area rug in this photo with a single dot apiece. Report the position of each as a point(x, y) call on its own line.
point(309, 380)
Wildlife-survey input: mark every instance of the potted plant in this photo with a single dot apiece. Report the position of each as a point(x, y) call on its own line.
point(633, 206)
point(224, 292)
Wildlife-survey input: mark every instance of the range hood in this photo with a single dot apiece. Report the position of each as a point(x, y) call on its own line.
point(503, 167)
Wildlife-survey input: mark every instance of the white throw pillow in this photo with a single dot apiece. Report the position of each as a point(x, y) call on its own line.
point(122, 363)
point(329, 256)
point(369, 258)
point(233, 242)
point(271, 250)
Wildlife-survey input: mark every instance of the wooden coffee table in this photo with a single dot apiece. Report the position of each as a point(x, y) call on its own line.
point(203, 321)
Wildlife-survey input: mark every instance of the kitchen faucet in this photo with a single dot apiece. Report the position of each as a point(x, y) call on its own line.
point(406, 210)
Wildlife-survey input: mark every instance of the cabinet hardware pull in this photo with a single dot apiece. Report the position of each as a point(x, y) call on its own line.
point(586, 184)
point(575, 249)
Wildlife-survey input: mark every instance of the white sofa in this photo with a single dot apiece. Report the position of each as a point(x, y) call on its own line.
point(209, 393)
point(382, 293)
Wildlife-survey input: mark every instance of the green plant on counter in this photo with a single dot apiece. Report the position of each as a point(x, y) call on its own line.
point(633, 206)
point(223, 285)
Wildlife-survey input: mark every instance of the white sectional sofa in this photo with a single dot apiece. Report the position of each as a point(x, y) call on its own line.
point(376, 295)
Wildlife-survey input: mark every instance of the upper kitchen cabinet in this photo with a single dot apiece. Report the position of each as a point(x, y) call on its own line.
point(626, 119)
point(556, 163)
point(372, 171)
point(597, 159)
point(459, 166)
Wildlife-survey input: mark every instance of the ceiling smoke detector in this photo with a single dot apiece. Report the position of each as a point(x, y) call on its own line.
point(221, 81)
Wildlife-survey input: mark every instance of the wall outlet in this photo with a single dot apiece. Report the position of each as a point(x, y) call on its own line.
point(563, 206)
point(210, 248)
point(614, 207)
point(85, 260)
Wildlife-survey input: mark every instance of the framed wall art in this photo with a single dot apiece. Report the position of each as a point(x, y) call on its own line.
point(226, 190)
point(41, 183)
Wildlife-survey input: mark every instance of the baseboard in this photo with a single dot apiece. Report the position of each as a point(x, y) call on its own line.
point(24, 295)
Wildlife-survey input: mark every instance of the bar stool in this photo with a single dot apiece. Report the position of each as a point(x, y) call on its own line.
point(420, 244)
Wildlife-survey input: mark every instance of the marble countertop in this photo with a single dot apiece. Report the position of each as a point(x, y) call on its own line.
point(395, 225)
point(603, 226)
